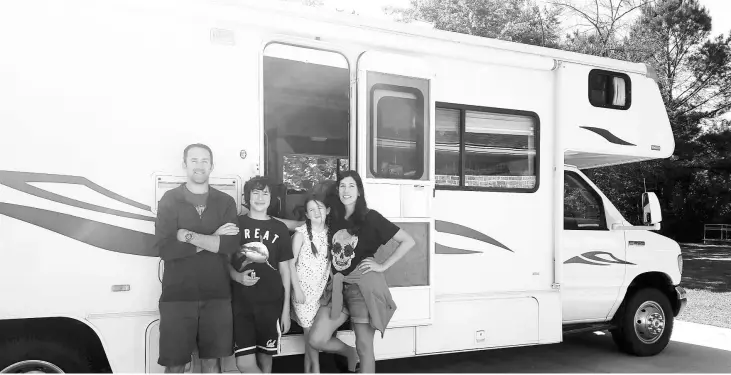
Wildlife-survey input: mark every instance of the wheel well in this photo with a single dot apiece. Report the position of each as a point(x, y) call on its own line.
point(66, 330)
point(656, 280)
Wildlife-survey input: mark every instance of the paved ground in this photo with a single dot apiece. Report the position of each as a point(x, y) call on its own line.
point(694, 348)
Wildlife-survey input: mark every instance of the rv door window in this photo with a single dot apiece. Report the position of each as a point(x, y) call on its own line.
point(397, 126)
point(583, 208)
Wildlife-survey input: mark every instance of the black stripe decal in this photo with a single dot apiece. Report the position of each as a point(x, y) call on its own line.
point(441, 249)
point(461, 230)
point(580, 260)
point(608, 136)
point(20, 181)
point(592, 258)
point(94, 233)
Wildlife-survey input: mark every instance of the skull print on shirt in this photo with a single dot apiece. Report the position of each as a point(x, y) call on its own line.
point(343, 250)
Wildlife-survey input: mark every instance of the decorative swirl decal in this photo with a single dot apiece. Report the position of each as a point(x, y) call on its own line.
point(606, 134)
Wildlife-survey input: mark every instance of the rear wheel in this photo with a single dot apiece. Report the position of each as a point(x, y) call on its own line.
point(646, 323)
point(30, 354)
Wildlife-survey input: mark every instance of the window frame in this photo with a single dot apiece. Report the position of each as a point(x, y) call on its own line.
point(463, 108)
point(593, 192)
point(627, 81)
point(372, 145)
point(304, 44)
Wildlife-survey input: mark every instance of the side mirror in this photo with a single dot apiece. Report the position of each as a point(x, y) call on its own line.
point(651, 213)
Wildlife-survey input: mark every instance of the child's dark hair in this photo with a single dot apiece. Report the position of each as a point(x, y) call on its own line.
point(256, 183)
point(320, 194)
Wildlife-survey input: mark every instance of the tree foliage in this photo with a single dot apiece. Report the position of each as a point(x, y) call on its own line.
point(694, 77)
point(521, 21)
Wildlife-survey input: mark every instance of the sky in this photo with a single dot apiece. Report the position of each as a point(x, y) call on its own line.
point(720, 10)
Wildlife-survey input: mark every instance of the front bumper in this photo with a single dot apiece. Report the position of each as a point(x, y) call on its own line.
point(682, 299)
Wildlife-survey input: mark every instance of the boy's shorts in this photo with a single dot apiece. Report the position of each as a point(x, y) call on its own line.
point(257, 329)
point(185, 325)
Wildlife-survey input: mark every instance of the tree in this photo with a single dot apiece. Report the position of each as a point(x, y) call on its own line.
point(694, 77)
point(521, 21)
point(602, 22)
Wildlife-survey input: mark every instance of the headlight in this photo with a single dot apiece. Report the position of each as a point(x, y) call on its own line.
point(680, 264)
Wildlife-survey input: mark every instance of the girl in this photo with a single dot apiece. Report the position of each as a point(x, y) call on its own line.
point(357, 234)
point(312, 269)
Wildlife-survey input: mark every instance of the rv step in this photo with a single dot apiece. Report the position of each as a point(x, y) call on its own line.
point(571, 329)
point(295, 329)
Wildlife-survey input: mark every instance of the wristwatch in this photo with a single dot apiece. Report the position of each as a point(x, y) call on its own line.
point(188, 236)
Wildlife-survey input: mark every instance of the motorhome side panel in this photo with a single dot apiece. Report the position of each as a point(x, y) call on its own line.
point(494, 207)
point(95, 103)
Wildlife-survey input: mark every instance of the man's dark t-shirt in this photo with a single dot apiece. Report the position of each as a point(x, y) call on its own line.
point(190, 275)
point(197, 200)
point(273, 235)
point(349, 250)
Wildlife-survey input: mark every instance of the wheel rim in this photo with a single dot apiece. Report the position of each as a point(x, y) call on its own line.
point(32, 367)
point(649, 322)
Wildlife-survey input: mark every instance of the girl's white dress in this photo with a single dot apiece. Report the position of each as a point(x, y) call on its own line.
point(313, 271)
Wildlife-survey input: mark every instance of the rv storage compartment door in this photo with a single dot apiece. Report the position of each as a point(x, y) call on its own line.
point(230, 185)
point(395, 158)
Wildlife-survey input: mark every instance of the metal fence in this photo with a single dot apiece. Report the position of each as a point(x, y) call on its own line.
point(716, 233)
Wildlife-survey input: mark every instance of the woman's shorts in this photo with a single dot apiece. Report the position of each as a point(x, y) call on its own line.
point(353, 304)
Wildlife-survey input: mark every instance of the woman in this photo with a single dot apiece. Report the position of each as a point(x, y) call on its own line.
point(359, 232)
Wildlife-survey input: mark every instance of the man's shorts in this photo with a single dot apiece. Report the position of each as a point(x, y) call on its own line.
point(257, 329)
point(185, 325)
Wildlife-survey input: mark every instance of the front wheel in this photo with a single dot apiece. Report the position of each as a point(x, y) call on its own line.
point(31, 354)
point(646, 323)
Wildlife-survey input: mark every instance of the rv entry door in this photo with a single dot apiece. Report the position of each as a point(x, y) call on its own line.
point(395, 154)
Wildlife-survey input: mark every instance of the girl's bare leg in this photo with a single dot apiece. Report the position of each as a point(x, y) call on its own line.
point(322, 338)
point(312, 355)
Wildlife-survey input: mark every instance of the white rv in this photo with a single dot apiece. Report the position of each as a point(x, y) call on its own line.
point(474, 146)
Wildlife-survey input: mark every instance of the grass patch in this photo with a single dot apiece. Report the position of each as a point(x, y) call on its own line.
point(707, 278)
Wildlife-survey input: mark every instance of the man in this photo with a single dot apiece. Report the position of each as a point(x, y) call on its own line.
point(261, 301)
point(196, 230)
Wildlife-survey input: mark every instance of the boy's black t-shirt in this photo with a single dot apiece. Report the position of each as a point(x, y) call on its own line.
point(349, 250)
point(275, 236)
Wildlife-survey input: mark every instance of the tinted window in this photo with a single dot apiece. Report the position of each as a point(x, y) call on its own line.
point(583, 209)
point(609, 89)
point(447, 147)
point(494, 149)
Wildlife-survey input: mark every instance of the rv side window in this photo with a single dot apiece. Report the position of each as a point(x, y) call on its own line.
point(609, 89)
point(582, 206)
point(399, 121)
point(448, 139)
point(486, 149)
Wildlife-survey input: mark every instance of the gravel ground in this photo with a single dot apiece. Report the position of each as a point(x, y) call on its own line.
point(707, 279)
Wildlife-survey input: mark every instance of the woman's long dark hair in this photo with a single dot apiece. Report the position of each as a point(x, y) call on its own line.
point(361, 207)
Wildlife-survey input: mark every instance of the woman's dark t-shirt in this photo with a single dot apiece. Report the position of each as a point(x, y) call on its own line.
point(349, 250)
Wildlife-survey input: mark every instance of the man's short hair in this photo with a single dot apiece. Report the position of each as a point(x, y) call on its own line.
point(197, 145)
point(256, 183)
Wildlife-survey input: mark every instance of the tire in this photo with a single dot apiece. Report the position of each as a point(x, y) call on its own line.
point(646, 323)
point(36, 354)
